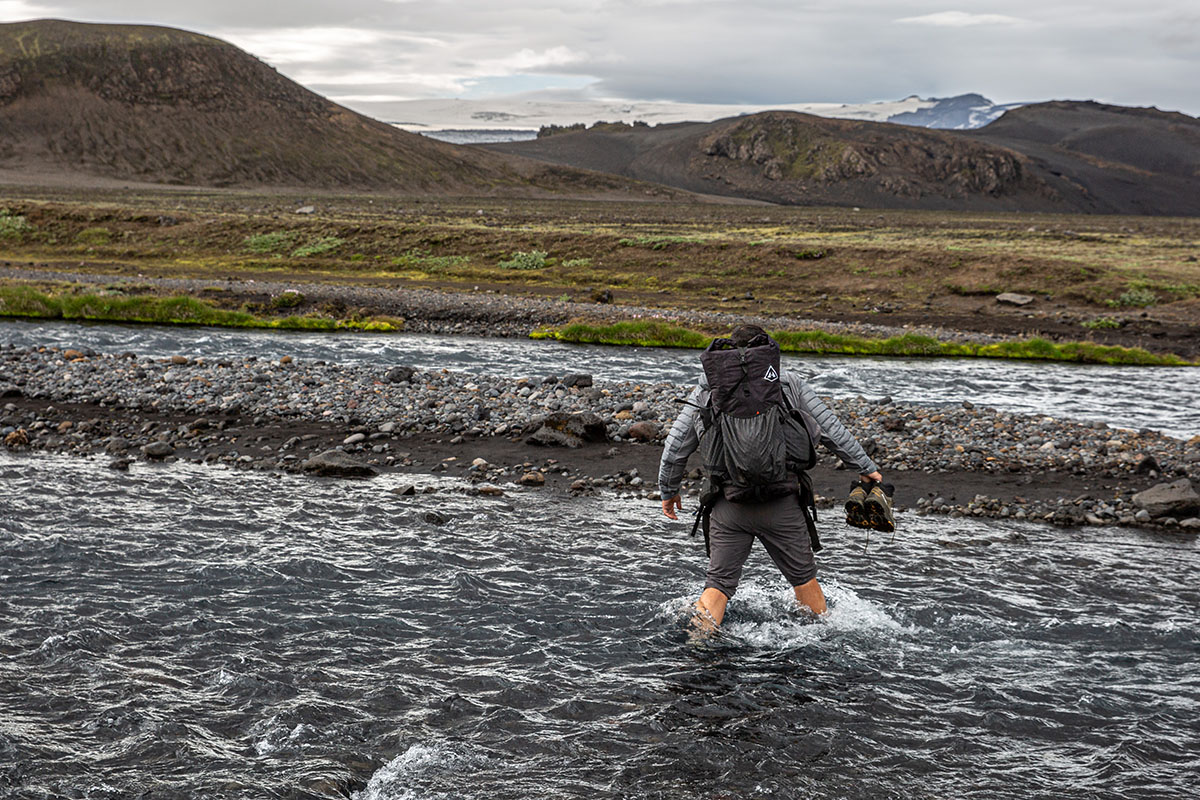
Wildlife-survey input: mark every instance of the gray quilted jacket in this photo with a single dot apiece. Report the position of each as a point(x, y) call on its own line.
point(685, 434)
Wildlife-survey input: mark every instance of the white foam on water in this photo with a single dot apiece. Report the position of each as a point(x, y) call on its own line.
point(395, 779)
point(764, 614)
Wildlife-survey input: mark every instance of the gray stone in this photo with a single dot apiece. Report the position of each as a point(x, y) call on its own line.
point(1191, 524)
point(399, 374)
point(643, 431)
point(577, 379)
point(306, 210)
point(1176, 498)
point(158, 450)
point(337, 464)
point(1014, 299)
point(1142, 516)
point(355, 438)
point(563, 429)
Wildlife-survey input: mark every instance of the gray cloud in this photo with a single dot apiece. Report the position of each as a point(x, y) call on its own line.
point(755, 51)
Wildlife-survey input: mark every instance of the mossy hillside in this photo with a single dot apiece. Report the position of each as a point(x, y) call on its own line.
point(75, 303)
point(901, 258)
point(660, 333)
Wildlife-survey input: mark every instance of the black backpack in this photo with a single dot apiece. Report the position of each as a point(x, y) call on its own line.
point(754, 446)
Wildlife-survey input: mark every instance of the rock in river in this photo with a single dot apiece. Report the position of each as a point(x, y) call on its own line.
point(158, 450)
point(1169, 499)
point(337, 464)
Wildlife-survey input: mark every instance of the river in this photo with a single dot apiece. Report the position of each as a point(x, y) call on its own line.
point(1158, 398)
point(185, 632)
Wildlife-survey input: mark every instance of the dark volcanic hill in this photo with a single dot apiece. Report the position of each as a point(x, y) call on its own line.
point(1108, 158)
point(161, 105)
point(1031, 159)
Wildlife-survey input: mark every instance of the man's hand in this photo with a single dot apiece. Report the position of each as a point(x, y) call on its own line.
point(671, 505)
point(874, 476)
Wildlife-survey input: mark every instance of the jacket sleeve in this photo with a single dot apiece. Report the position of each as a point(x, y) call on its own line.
point(681, 442)
point(834, 435)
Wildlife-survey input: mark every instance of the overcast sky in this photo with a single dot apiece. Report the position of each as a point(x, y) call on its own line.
point(734, 51)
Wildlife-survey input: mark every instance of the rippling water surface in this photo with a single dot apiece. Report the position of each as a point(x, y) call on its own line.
point(189, 632)
point(1138, 397)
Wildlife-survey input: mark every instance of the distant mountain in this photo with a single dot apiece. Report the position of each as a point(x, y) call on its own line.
point(1048, 157)
point(513, 118)
point(785, 157)
point(964, 112)
point(161, 105)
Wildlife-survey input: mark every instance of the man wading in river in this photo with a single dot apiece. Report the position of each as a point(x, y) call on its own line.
point(755, 425)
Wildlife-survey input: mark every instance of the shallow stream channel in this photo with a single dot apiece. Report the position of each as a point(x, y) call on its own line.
point(1159, 398)
point(188, 631)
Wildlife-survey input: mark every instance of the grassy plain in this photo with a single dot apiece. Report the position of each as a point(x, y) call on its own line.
point(1100, 278)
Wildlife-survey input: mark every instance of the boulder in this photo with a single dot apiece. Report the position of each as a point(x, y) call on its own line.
point(643, 431)
point(1146, 464)
point(1014, 299)
point(8, 390)
point(1191, 524)
point(17, 438)
point(532, 479)
point(158, 450)
point(399, 374)
point(338, 464)
point(564, 429)
point(1169, 499)
point(577, 379)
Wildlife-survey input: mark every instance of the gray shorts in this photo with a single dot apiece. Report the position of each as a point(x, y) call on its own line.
point(778, 523)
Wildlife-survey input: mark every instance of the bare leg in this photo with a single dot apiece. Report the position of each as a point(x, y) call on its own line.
point(710, 610)
point(807, 594)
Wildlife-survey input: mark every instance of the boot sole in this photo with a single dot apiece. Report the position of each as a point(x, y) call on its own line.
point(856, 515)
point(878, 515)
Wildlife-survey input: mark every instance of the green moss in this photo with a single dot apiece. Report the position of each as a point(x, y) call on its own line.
point(657, 333)
point(94, 236)
point(25, 301)
point(13, 226)
point(288, 299)
point(1136, 296)
point(318, 247)
point(531, 259)
point(423, 261)
point(658, 242)
point(269, 242)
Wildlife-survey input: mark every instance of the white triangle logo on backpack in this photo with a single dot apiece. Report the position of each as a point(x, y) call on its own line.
point(771, 375)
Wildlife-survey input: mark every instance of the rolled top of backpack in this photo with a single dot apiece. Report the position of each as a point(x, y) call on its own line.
point(743, 381)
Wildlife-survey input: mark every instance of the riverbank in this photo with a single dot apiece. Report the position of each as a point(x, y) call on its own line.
point(35, 292)
point(277, 415)
point(957, 278)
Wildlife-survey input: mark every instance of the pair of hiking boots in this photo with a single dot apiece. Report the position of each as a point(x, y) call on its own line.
point(870, 506)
